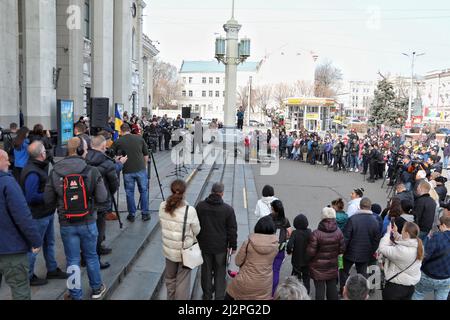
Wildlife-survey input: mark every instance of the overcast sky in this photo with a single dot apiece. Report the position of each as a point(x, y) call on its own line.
point(361, 37)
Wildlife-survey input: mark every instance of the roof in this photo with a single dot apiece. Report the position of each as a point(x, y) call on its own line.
point(309, 101)
point(214, 67)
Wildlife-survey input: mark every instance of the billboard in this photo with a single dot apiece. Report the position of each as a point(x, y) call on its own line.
point(65, 121)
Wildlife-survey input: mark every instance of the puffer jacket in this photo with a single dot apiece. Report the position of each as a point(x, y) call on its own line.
point(255, 260)
point(324, 247)
point(398, 257)
point(263, 207)
point(172, 230)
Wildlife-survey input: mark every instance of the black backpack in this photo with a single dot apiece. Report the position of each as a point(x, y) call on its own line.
point(78, 202)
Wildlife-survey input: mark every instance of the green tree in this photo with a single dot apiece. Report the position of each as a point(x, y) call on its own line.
point(387, 108)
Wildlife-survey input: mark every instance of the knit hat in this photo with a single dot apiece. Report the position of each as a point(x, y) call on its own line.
point(328, 213)
point(376, 208)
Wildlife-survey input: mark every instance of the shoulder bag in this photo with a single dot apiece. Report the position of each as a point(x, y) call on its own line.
point(192, 256)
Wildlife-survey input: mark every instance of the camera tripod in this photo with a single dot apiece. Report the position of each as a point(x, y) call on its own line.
point(151, 160)
point(179, 168)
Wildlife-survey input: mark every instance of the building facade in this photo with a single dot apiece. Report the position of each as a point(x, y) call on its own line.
point(436, 96)
point(203, 86)
point(72, 49)
point(357, 99)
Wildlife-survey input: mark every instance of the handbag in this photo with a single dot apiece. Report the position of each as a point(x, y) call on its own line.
point(384, 281)
point(192, 256)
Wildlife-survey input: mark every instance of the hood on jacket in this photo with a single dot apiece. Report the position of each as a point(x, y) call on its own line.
point(268, 200)
point(301, 222)
point(328, 225)
point(263, 243)
point(70, 165)
point(214, 199)
point(407, 217)
point(413, 243)
point(95, 158)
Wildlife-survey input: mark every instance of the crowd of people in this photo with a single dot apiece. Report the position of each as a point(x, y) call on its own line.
point(409, 240)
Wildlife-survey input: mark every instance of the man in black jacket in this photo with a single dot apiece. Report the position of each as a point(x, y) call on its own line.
point(424, 209)
point(32, 181)
point(362, 237)
point(96, 157)
point(218, 235)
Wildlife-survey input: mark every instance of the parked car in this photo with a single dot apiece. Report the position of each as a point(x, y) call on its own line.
point(254, 123)
point(443, 131)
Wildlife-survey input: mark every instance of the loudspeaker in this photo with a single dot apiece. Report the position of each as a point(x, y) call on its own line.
point(186, 112)
point(99, 112)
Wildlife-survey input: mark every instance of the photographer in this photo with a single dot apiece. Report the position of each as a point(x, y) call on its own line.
point(151, 136)
point(374, 156)
point(166, 132)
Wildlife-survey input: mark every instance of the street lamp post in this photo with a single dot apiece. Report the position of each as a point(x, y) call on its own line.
point(412, 56)
point(231, 54)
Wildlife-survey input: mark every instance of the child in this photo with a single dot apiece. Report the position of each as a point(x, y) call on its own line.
point(297, 247)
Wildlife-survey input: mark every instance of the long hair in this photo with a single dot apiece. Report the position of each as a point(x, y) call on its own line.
point(338, 203)
point(21, 136)
point(178, 188)
point(413, 230)
point(278, 210)
point(38, 130)
point(395, 209)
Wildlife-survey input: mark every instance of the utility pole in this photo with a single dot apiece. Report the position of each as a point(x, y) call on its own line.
point(413, 57)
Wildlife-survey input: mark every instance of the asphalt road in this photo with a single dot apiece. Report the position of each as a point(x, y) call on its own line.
point(307, 189)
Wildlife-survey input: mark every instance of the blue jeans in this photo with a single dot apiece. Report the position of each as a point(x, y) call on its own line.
point(353, 162)
point(427, 284)
point(46, 230)
point(446, 162)
point(75, 239)
point(141, 179)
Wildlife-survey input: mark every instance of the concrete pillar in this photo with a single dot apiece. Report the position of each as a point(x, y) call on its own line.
point(122, 52)
point(232, 29)
point(39, 56)
point(102, 44)
point(140, 48)
point(9, 63)
point(70, 44)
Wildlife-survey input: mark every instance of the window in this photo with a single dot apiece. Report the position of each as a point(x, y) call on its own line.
point(210, 94)
point(203, 93)
point(204, 80)
point(87, 19)
point(210, 107)
point(183, 93)
point(211, 80)
point(133, 45)
point(224, 94)
point(217, 94)
point(191, 94)
point(190, 79)
point(218, 80)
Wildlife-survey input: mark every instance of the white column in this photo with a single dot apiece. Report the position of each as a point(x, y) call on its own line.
point(70, 44)
point(39, 54)
point(9, 63)
point(122, 52)
point(232, 28)
point(140, 48)
point(102, 53)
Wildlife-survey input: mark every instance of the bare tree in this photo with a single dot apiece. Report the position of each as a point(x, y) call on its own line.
point(303, 88)
point(263, 96)
point(282, 91)
point(328, 80)
point(242, 98)
point(166, 85)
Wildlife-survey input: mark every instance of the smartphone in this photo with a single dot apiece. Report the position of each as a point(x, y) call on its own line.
point(392, 229)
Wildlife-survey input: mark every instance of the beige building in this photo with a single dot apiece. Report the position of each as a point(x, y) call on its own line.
point(72, 49)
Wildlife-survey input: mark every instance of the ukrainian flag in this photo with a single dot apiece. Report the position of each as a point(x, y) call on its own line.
point(118, 120)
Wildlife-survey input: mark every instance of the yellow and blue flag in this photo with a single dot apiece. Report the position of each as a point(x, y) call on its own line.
point(118, 120)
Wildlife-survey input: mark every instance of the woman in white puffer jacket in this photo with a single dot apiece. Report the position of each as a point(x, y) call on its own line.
point(403, 260)
point(171, 215)
point(263, 206)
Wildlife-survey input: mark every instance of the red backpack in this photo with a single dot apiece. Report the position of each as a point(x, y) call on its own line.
point(77, 202)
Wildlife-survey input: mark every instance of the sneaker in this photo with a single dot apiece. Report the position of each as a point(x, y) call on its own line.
point(131, 218)
point(111, 216)
point(99, 293)
point(146, 217)
point(104, 265)
point(103, 251)
point(57, 274)
point(356, 170)
point(36, 282)
point(351, 170)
